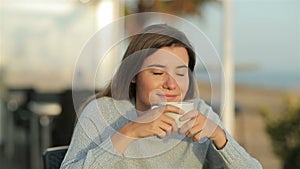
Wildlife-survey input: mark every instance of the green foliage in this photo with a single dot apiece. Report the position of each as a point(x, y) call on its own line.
point(175, 7)
point(284, 132)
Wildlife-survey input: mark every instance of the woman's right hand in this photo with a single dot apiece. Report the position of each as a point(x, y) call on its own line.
point(154, 122)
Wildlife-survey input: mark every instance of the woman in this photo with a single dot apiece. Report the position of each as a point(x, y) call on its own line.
point(128, 127)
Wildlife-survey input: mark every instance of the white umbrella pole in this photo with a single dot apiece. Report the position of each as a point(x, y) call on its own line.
point(228, 101)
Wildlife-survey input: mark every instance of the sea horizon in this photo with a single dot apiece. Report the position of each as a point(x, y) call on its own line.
point(271, 80)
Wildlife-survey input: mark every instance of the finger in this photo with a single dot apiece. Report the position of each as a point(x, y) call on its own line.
point(174, 128)
point(170, 121)
point(199, 119)
point(198, 136)
point(167, 119)
point(189, 115)
point(210, 127)
point(187, 126)
point(190, 134)
point(160, 133)
point(172, 109)
point(194, 130)
point(167, 128)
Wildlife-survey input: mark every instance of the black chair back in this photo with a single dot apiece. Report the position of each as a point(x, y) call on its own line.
point(54, 156)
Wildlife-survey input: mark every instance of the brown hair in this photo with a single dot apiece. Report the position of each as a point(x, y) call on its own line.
point(141, 46)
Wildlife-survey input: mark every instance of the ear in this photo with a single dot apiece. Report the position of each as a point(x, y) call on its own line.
point(133, 80)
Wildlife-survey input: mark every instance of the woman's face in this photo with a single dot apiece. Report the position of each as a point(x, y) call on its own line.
point(163, 77)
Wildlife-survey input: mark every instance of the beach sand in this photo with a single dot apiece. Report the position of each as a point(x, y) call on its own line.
point(249, 124)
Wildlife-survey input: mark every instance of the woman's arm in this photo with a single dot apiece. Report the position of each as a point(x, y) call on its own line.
point(87, 151)
point(91, 144)
point(231, 154)
point(154, 122)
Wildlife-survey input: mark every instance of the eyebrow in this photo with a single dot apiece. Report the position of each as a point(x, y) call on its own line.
point(182, 66)
point(156, 65)
point(162, 66)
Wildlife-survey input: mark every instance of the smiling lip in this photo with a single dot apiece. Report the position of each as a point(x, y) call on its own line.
point(168, 96)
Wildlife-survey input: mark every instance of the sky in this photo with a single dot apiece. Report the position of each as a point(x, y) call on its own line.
point(268, 32)
point(266, 40)
point(265, 32)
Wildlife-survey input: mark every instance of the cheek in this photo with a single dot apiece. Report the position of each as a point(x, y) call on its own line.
point(183, 85)
point(145, 84)
point(147, 90)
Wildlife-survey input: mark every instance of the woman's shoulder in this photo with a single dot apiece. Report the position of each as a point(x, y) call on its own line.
point(201, 105)
point(106, 105)
point(108, 102)
point(198, 102)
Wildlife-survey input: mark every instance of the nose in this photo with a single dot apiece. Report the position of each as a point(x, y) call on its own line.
point(170, 83)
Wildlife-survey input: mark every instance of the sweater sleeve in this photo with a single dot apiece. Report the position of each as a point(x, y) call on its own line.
point(233, 155)
point(88, 147)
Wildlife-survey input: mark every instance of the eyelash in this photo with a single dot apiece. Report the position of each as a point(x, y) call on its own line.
point(179, 74)
point(161, 73)
point(158, 73)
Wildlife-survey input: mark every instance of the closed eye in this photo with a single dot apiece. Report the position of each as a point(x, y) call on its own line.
point(158, 73)
point(180, 74)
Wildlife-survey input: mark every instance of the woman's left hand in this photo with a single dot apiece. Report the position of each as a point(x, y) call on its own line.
point(200, 126)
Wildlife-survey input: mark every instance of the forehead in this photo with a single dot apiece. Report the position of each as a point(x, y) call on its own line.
point(168, 56)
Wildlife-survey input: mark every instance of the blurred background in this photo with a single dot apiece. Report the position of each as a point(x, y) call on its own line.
point(40, 41)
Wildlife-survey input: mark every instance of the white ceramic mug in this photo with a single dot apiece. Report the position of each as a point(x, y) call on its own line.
point(185, 106)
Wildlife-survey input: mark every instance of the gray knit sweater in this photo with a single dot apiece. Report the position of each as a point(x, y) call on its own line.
point(91, 145)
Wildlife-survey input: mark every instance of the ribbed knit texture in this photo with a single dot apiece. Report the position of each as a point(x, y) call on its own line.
point(91, 145)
